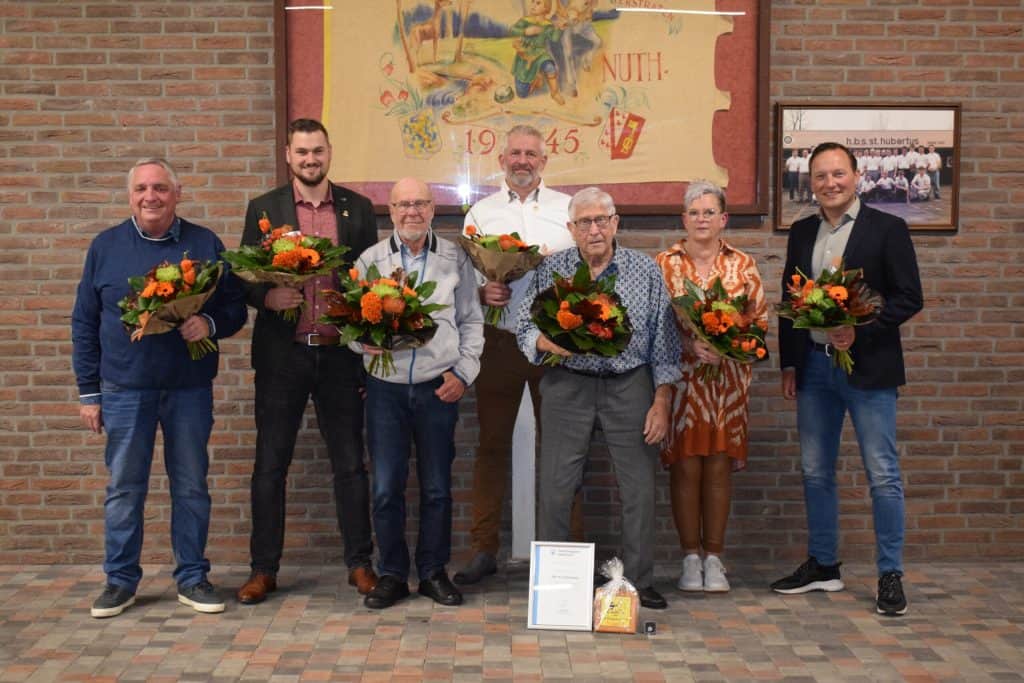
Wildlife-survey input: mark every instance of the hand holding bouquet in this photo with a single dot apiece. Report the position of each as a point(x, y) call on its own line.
point(582, 315)
point(501, 258)
point(838, 298)
point(721, 322)
point(285, 258)
point(387, 312)
point(168, 295)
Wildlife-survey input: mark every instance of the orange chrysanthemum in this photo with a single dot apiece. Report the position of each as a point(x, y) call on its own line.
point(470, 230)
point(838, 293)
point(371, 307)
point(568, 320)
point(761, 353)
point(164, 289)
point(149, 291)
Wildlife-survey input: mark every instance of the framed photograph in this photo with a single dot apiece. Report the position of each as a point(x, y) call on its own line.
point(908, 157)
point(637, 101)
point(561, 586)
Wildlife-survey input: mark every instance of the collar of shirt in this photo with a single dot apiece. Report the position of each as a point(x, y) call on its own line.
point(849, 216)
point(173, 234)
point(413, 262)
point(299, 199)
point(513, 196)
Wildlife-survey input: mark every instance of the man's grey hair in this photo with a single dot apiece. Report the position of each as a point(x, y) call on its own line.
point(698, 188)
point(590, 196)
point(524, 129)
point(162, 163)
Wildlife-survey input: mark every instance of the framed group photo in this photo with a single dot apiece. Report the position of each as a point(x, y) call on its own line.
point(907, 156)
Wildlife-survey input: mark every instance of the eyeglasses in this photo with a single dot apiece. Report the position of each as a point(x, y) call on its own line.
point(601, 222)
point(418, 204)
point(706, 213)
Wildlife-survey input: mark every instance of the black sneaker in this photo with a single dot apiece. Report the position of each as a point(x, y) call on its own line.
point(112, 601)
point(890, 600)
point(810, 576)
point(202, 597)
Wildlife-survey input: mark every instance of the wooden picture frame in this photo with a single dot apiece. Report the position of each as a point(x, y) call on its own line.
point(893, 142)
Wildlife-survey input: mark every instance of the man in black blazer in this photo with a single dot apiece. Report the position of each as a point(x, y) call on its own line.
point(880, 244)
point(296, 360)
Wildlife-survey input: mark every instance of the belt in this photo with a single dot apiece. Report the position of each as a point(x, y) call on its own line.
point(591, 373)
point(317, 339)
point(826, 349)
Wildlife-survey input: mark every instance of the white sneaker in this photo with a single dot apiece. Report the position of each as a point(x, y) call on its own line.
point(714, 576)
point(690, 580)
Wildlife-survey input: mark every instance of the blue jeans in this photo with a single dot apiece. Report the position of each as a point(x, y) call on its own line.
point(397, 416)
point(130, 417)
point(823, 398)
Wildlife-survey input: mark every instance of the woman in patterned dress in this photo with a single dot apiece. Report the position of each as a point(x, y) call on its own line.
point(708, 435)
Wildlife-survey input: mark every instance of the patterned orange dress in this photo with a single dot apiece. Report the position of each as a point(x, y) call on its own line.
point(711, 417)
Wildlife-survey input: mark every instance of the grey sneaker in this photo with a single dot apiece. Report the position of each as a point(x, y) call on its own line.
point(714, 575)
point(202, 597)
point(690, 579)
point(112, 601)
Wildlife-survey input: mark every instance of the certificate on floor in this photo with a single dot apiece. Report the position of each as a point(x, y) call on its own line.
point(561, 586)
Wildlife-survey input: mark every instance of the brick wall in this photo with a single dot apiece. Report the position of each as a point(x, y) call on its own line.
point(87, 87)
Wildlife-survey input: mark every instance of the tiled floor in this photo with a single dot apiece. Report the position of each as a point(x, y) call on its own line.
point(966, 622)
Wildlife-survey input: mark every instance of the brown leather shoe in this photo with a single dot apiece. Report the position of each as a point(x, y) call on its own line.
point(363, 579)
point(256, 588)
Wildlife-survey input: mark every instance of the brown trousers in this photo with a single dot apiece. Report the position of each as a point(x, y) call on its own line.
point(504, 371)
point(701, 492)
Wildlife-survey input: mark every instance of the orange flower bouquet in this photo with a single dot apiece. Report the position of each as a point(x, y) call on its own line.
point(167, 296)
point(285, 258)
point(582, 315)
point(723, 323)
point(838, 297)
point(501, 258)
point(387, 312)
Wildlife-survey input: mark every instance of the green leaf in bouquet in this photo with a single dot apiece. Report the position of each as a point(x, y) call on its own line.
point(582, 277)
point(410, 281)
point(136, 282)
point(816, 317)
point(693, 291)
point(349, 334)
point(372, 273)
point(584, 343)
point(377, 336)
point(426, 289)
point(430, 308)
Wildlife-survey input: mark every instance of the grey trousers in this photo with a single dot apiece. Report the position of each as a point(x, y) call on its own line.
point(571, 406)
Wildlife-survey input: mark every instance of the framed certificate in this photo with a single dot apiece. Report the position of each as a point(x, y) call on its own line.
point(561, 586)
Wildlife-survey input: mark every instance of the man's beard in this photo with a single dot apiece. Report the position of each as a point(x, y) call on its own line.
point(315, 180)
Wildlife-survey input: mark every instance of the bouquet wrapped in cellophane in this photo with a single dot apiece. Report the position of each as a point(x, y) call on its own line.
point(167, 296)
point(386, 312)
point(838, 297)
point(501, 258)
point(723, 322)
point(285, 258)
point(582, 315)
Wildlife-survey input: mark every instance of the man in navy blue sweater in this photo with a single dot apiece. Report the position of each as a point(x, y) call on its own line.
point(129, 388)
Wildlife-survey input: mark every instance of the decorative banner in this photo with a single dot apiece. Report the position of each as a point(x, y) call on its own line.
point(429, 90)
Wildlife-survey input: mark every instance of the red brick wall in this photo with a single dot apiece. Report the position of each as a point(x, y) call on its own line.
point(88, 87)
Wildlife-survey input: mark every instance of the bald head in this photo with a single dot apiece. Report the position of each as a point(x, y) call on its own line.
point(412, 210)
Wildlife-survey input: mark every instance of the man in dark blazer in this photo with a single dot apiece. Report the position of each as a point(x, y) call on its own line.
point(880, 244)
point(296, 360)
